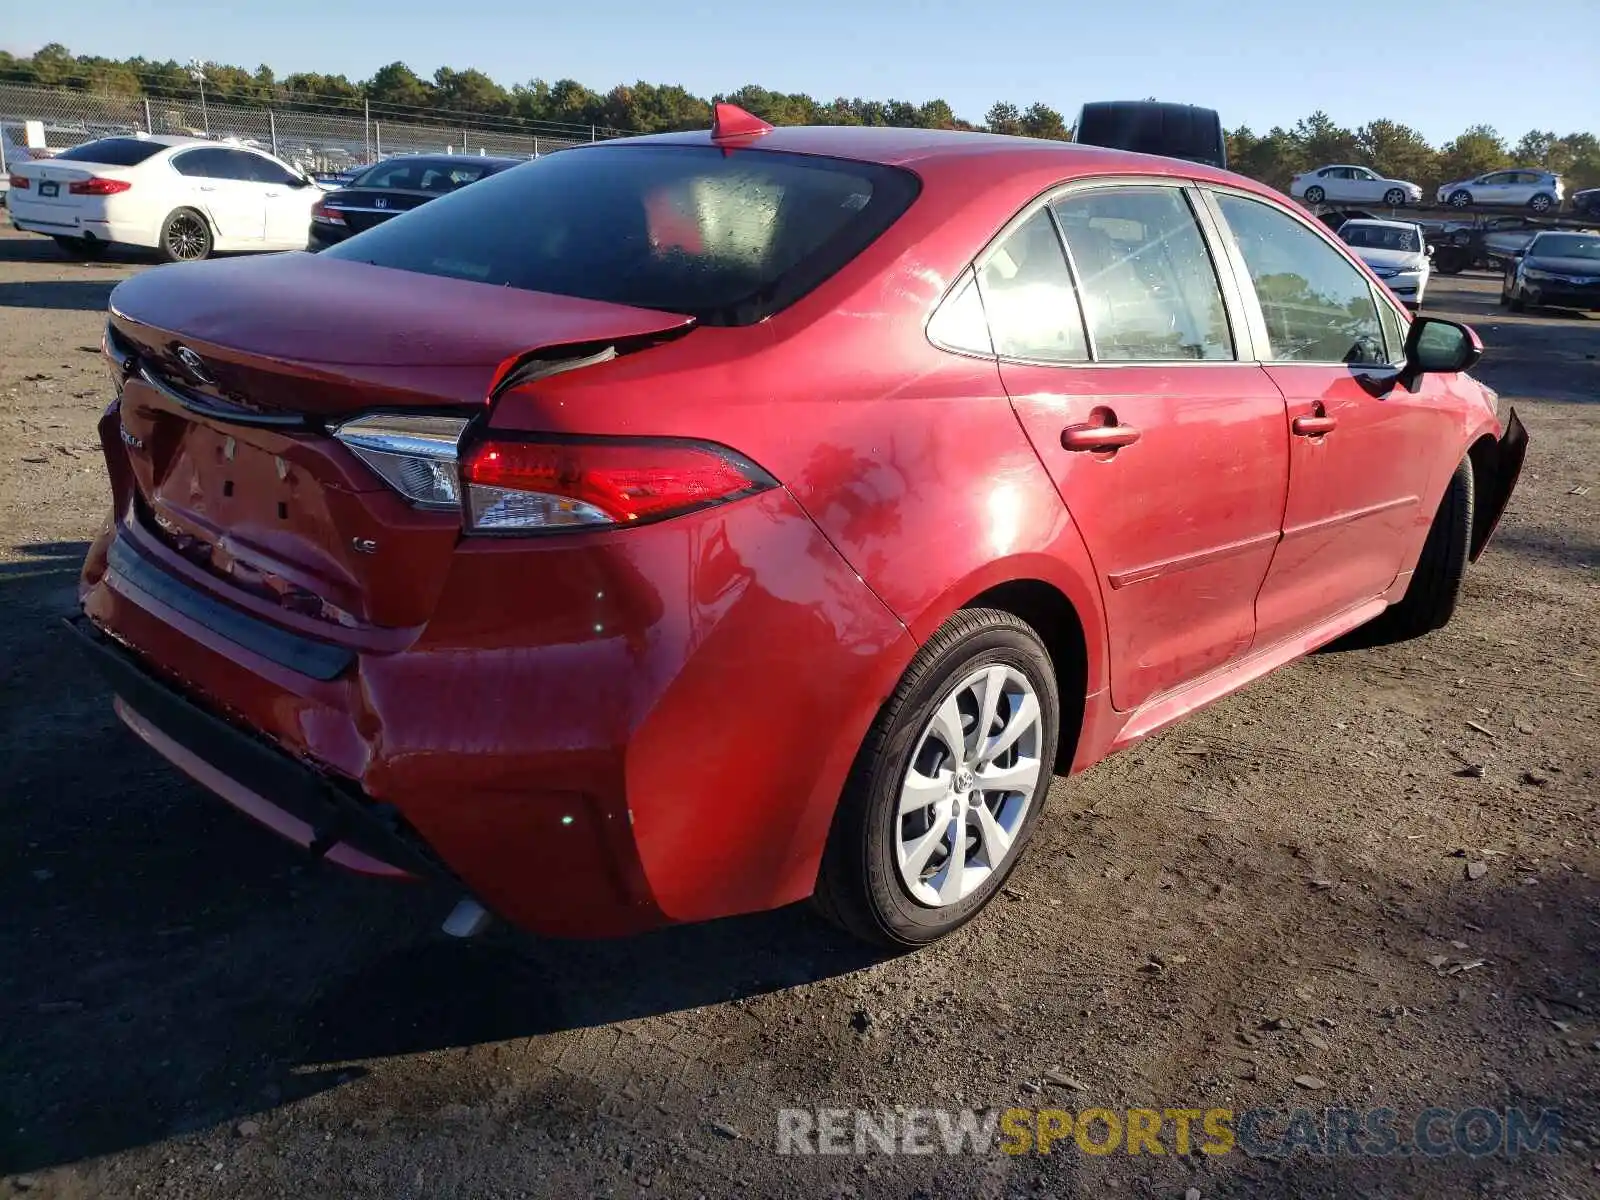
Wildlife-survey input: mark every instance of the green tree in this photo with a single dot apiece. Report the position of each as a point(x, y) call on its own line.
point(1042, 121)
point(1324, 142)
point(398, 85)
point(469, 91)
point(1397, 151)
point(1477, 150)
point(1003, 118)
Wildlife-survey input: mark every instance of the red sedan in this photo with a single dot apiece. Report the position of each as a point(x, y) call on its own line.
point(689, 525)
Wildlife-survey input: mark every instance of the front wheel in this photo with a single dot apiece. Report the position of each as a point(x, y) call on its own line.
point(948, 786)
point(1395, 198)
point(1430, 599)
point(1460, 198)
point(185, 237)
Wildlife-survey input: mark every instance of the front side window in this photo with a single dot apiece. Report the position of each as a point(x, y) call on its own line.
point(729, 238)
point(1150, 293)
point(1317, 306)
point(1027, 292)
point(265, 170)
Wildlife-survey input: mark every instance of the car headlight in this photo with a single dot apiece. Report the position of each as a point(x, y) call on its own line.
point(1536, 274)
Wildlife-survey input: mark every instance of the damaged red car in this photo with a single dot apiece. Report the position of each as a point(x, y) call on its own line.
point(690, 525)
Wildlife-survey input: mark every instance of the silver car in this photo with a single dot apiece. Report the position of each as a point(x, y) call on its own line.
point(1532, 187)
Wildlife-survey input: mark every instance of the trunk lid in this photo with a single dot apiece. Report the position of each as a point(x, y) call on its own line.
point(51, 182)
point(235, 369)
point(365, 207)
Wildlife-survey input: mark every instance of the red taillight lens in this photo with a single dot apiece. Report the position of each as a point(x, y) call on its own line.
point(20, 182)
point(323, 215)
point(96, 186)
point(533, 486)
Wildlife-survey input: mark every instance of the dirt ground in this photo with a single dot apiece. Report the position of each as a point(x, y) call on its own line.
point(1287, 885)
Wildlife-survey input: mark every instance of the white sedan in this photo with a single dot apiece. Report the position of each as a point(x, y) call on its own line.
point(184, 197)
point(1345, 183)
point(1396, 252)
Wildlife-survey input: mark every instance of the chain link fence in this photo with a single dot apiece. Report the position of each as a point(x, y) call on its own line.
point(319, 142)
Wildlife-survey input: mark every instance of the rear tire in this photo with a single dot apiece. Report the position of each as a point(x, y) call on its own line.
point(1430, 600)
point(185, 236)
point(1542, 203)
point(1315, 195)
point(871, 870)
point(1516, 303)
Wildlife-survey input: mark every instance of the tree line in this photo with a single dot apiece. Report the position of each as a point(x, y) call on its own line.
point(1389, 147)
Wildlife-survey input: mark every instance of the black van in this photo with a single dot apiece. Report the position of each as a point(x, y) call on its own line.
point(1152, 127)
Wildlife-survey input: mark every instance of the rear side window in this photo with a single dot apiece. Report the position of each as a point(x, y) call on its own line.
point(203, 164)
point(1027, 293)
point(114, 152)
point(1317, 306)
point(1150, 293)
point(729, 238)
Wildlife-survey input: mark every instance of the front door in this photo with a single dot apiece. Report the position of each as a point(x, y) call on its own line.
point(1362, 450)
point(220, 183)
point(1169, 453)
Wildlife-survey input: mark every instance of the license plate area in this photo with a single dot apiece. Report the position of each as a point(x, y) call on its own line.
point(48, 189)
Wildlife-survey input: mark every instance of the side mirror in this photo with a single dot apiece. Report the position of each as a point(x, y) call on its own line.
point(1438, 347)
point(1429, 249)
point(1520, 252)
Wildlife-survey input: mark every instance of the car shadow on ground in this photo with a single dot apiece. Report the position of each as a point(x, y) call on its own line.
point(175, 967)
point(76, 295)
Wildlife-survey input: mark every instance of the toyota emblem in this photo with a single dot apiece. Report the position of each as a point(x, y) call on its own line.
point(193, 365)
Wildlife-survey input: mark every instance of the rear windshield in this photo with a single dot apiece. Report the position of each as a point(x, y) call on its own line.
point(114, 152)
point(426, 175)
point(1381, 237)
point(1565, 245)
point(726, 237)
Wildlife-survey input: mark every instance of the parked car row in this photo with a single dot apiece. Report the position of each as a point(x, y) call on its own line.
point(187, 198)
point(1534, 188)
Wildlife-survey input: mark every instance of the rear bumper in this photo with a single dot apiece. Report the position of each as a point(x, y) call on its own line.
point(573, 733)
point(52, 221)
point(322, 236)
point(310, 808)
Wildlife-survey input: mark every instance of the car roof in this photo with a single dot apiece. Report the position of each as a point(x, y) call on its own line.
point(449, 158)
point(926, 148)
point(1374, 221)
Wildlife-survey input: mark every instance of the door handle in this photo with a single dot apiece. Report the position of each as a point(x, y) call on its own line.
point(273, 195)
point(1315, 425)
point(1098, 437)
point(207, 188)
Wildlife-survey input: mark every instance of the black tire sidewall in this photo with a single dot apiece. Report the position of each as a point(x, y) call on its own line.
point(1315, 195)
point(166, 226)
point(903, 919)
point(1466, 199)
point(1400, 203)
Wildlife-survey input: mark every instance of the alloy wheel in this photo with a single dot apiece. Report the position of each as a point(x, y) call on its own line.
point(1460, 199)
point(968, 787)
point(186, 237)
point(1394, 198)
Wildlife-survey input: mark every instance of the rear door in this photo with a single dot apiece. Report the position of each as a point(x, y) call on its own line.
point(1166, 444)
point(222, 184)
point(1363, 452)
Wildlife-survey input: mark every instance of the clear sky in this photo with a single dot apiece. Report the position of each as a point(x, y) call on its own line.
point(1436, 66)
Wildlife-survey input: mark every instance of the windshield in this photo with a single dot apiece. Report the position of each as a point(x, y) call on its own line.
point(729, 238)
point(1565, 245)
point(114, 152)
point(1381, 237)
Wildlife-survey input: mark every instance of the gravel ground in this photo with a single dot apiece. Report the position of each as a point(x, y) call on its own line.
point(1374, 872)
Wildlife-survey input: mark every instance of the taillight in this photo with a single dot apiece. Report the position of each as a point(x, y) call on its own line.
point(534, 486)
point(323, 215)
point(20, 182)
point(97, 186)
point(415, 455)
